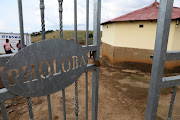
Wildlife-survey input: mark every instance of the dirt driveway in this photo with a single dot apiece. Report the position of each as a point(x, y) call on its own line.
point(122, 96)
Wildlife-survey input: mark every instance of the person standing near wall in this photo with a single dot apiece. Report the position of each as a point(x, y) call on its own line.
point(7, 47)
point(18, 45)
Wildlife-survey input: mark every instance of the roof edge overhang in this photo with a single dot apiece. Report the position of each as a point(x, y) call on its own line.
point(110, 22)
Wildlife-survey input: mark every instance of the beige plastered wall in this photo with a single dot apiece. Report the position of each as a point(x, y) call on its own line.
point(176, 40)
point(128, 34)
point(125, 41)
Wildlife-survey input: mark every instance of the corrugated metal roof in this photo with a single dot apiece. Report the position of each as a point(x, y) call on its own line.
point(147, 13)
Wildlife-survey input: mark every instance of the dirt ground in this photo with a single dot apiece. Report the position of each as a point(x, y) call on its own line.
point(122, 96)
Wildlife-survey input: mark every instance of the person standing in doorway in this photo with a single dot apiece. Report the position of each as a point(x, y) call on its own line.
point(19, 45)
point(7, 47)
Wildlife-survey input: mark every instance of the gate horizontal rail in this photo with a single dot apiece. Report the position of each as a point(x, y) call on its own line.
point(5, 94)
point(173, 55)
point(5, 58)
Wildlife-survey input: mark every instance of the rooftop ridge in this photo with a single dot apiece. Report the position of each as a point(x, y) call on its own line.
point(146, 13)
point(141, 9)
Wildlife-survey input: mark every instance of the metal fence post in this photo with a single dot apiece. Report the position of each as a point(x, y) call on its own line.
point(162, 35)
point(96, 41)
point(21, 25)
point(87, 44)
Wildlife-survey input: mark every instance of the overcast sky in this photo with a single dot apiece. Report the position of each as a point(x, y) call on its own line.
point(32, 22)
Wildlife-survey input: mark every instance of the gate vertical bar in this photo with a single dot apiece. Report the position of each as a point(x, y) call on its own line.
point(87, 23)
point(96, 27)
point(75, 20)
point(95, 86)
point(3, 110)
point(172, 103)
point(21, 25)
point(86, 95)
point(42, 7)
point(87, 42)
point(60, 18)
point(31, 116)
point(49, 107)
point(162, 35)
point(64, 104)
point(61, 37)
point(76, 105)
point(96, 41)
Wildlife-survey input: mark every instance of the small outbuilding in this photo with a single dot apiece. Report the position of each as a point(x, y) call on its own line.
point(131, 37)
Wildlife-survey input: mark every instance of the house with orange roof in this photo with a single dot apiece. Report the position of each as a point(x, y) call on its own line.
point(131, 37)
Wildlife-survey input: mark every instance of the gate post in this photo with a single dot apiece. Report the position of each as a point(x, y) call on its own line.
point(96, 42)
point(21, 24)
point(162, 35)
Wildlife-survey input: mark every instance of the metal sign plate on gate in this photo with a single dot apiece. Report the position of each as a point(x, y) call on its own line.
point(44, 68)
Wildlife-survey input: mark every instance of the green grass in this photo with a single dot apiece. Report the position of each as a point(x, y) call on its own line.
point(81, 36)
